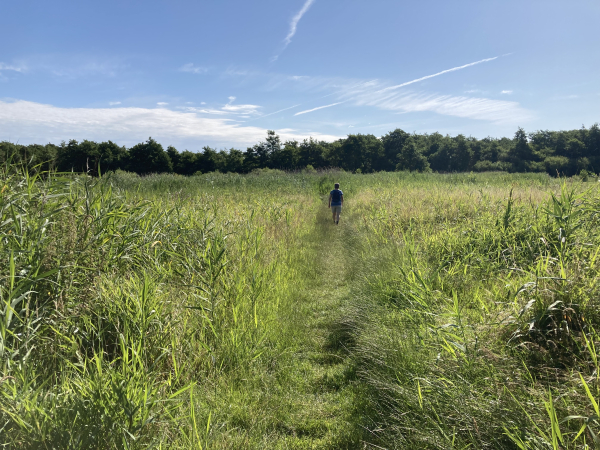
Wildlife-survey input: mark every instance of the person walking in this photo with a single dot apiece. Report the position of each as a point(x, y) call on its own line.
point(336, 201)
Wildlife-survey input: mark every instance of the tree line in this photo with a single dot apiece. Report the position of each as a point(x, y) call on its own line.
point(556, 152)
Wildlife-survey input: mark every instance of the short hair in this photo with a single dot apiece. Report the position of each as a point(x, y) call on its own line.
point(336, 185)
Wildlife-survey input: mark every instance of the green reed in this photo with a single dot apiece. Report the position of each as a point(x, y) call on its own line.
point(226, 311)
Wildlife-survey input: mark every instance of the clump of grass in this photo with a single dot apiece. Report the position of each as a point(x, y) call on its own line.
point(116, 303)
point(477, 299)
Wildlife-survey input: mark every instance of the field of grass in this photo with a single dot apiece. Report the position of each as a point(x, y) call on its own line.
point(227, 311)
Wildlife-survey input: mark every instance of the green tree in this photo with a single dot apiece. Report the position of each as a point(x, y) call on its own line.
point(271, 148)
point(521, 152)
point(490, 150)
point(110, 157)
point(208, 160)
point(476, 150)
point(77, 157)
point(592, 145)
point(175, 158)
point(188, 163)
point(251, 160)
point(40, 157)
point(575, 149)
point(432, 143)
point(462, 155)
point(233, 161)
point(8, 151)
point(288, 157)
point(411, 158)
point(148, 157)
point(393, 143)
point(557, 165)
point(261, 154)
point(311, 153)
point(361, 151)
point(332, 153)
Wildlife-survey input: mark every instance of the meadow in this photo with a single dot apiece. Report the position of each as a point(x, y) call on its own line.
point(445, 311)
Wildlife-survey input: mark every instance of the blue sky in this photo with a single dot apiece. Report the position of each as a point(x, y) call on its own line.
point(220, 73)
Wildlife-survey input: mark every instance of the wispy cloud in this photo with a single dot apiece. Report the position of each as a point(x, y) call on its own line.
point(87, 69)
point(11, 67)
point(459, 106)
point(506, 92)
point(227, 109)
point(69, 67)
point(241, 109)
point(190, 68)
point(293, 27)
point(454, 69)
point(566, 97)
point(375, 93)
point(211, 111)
point(276, 112)
point(295, 20)
point(385, 95)
point(35, 122)
point(114, 103)
point(162, 103)
point(317, 108)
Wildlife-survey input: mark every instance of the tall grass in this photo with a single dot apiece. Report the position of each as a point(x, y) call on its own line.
point(115, 307)
point(225, 311)
point(478, 314)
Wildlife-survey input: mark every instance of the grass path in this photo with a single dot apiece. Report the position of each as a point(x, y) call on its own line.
point(318, 373)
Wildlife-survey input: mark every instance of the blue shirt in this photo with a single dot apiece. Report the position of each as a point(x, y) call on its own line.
point(336, 197)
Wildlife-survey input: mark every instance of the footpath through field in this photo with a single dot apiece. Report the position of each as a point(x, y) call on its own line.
point(319, 374)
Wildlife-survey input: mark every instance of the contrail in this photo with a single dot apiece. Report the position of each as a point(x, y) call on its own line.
point(295, 20)
point(437, 74)
point(314, 109)
point(270, 114)
point(293, 26)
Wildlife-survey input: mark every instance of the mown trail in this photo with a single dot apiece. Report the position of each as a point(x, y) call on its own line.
point(323, 407)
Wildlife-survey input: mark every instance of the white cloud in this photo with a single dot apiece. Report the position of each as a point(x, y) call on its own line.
point(235, 72)
point(68, 66)
point(240, 109)
point(458, 106)
point(72, 69)
point(34, 122)
point(506, 92)
point(162, 103)
point(375, 93)
point(202, 103)
point(566, 97)
point(11, 67)
point(317, 108)
point(294, 27)
point(190, 68)
point(193, 109)
point(385, 95)
point(114, 103)
point(227, 109)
